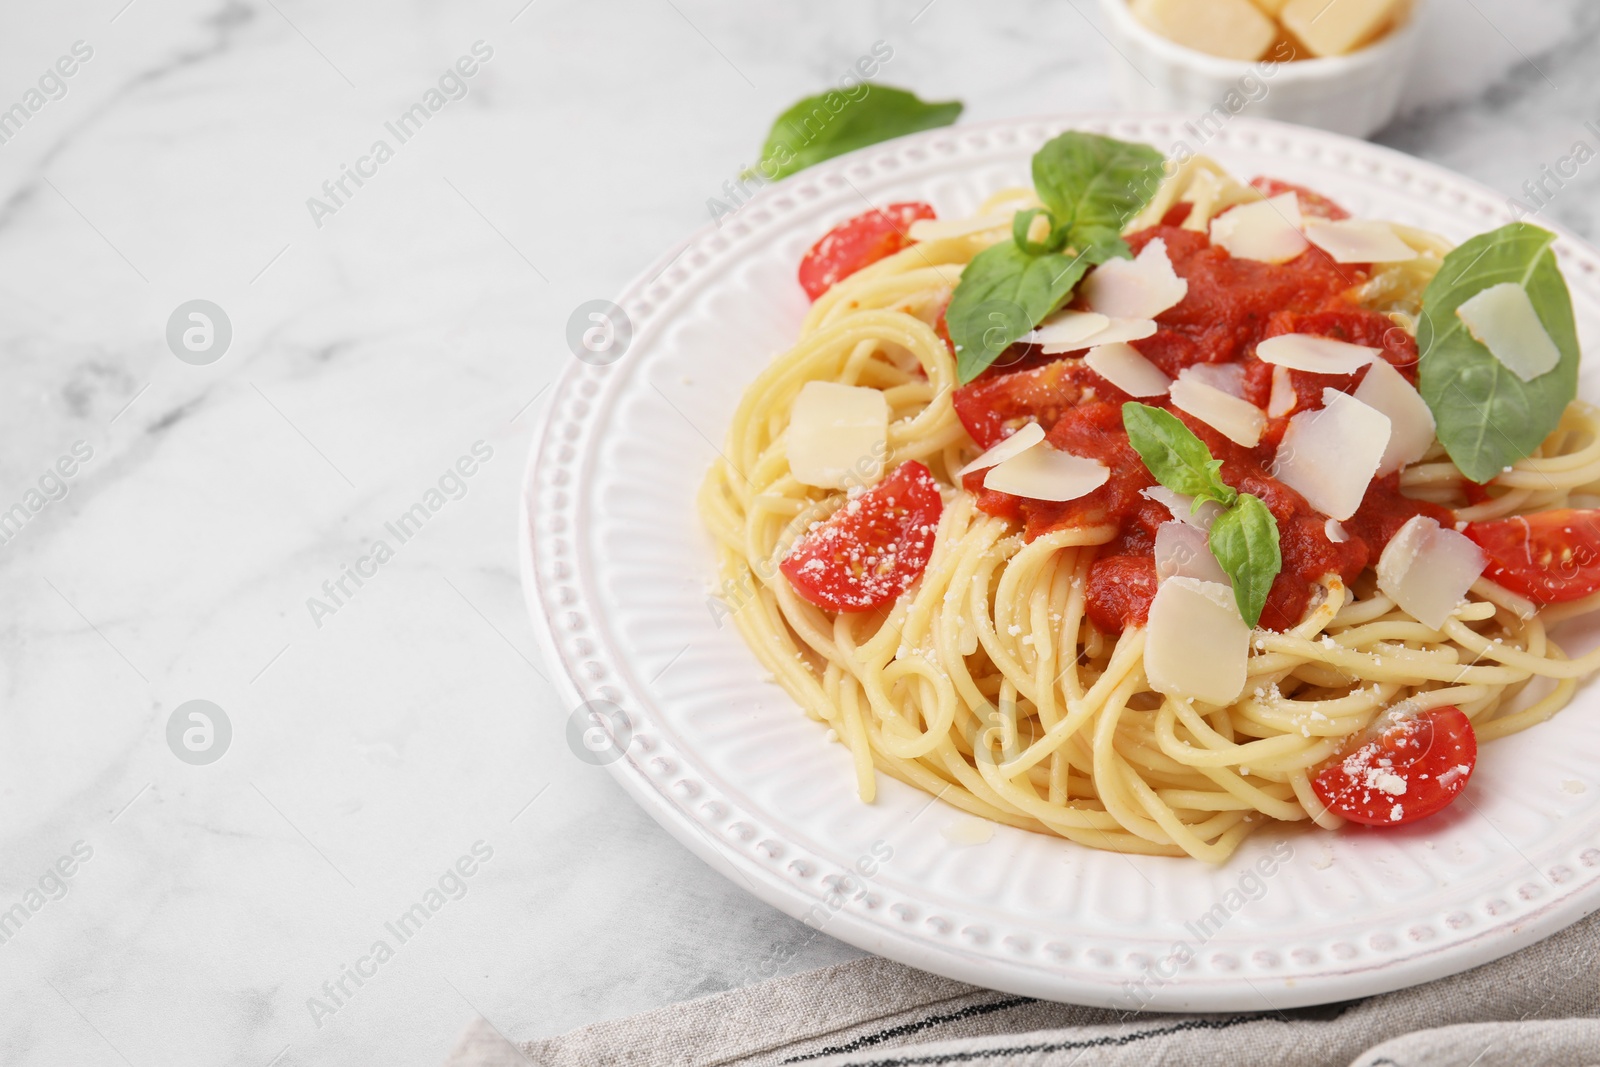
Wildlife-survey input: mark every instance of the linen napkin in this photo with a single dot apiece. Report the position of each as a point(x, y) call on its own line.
point(1540, 1006)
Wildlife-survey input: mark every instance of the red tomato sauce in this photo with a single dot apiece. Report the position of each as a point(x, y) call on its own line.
point(1232, 304)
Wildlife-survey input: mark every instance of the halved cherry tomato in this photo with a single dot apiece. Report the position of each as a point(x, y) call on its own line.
point(1311, 203)
point(865, 239)
point(871, 549)
point(992, 408)
point(1549, 557)
point(1411, 770)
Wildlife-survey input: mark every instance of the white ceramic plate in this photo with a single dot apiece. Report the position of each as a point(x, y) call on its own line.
point(618, 576)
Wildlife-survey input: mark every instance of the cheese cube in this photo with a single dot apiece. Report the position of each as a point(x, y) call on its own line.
point(1232, 29)
point(1335, 27)
point(837, 435)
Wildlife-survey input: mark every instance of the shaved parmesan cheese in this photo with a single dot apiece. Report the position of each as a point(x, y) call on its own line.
point(1410, 421)
point(1183, 551)
point(1116, 331)
point(1227, 377)
point(1210, 193)
point(1139, 288)
point(837, 435)
point(1318, 355)
point(1182, 507)
point(1427, 570)
point(1196, 644)
point(1267, 230)
point(1123, 366)
point(1015, 445)
point(1283, 398)
point(1503, 320)
point(1044, 473)
point(939, 229)
point(1329, 456)
point(1238, 420)
point(1335, 531)
point(1068, 328)
point(1359, 241)
point(1121, 331)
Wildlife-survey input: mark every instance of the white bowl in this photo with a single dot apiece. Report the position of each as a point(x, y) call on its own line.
point(1354, 94)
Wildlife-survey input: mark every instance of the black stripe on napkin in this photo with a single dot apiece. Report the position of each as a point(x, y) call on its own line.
point(904, 1029)
point(1066, 1046)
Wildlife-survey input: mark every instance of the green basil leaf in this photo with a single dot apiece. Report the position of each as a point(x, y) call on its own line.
point(1093, 185)
point(1003, 293)
point(1174, 456)
point(1054, 241)
point(1245, 541)
point(1488, 418)
point(1090, 186)
point(830, 124)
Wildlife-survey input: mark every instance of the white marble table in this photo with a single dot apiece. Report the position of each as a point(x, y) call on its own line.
point(375, 743)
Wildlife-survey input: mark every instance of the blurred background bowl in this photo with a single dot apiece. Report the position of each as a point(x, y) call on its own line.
point(1355, 94)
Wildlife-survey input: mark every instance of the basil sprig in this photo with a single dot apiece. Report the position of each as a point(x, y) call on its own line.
point(1244, 538)
point(1090, 186)
point(830, 124)
point(1488, 418)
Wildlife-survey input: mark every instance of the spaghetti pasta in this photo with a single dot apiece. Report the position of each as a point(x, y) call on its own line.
point(988, 685)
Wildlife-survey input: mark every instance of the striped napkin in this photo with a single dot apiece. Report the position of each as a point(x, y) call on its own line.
point(1540, 1006)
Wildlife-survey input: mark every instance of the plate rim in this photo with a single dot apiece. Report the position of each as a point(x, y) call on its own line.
point(1330, 982)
